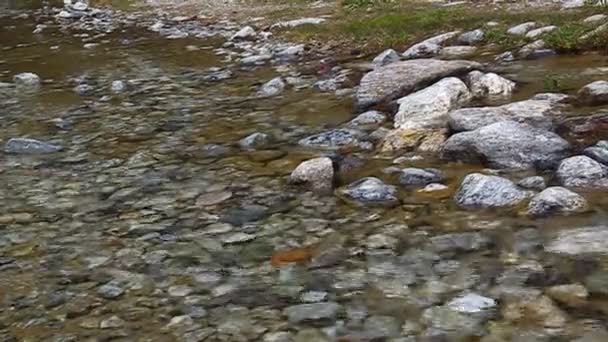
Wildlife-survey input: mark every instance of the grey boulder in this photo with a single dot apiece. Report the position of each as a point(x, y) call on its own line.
point(582, 172)
point(471, 37)
point(533, 183)
point(556, 200)
point(594, 93)
point(479, 191)
point(370, 191)
point(507, 145)
point(598, 152)
point(428, 108)
point(419, 177)
point(489, 85)
point(386, 57)
point(387, 83)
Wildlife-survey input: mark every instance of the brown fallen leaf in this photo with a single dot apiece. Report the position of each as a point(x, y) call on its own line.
point(283, 258)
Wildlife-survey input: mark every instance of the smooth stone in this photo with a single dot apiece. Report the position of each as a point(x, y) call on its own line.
point(395, 80)
point(368, 118)
point(429, 47)
point(595, 19)
point(471, 37)
point(463, 51)
point(371, 191)
point(317, 174)
point(245, 33)
point(298, 22)
point(119, 86)
point(533, 183)
point(337, 138)
point(255, 141)
point(30, 146)
point(27, 79)
point(580, 241)
point(110, 291)
point(582, 172)
point(481, 191)
point(484, 85)
point(594, 93)
point(419, 177)
point(521, 29)
point(533, 34)
point(572, 295)
point(557, 200)
point(213, 198)
point(272, 88)
point(507, 145)
point(459, 242)
point(386, 57)
point(428, 108)
point(471, 303)
point(314, 312)
point(256, 59)
point(598, 152)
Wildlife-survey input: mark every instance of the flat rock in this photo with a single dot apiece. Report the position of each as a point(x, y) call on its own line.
point(430, 46)
point(298, 22)
point(582, 172)
point(369, 118)
point(594, 93)
point(317, 174)
point(386, 57)
point(556, 200)
point(537, 113)
point(428, 108)
point(460, 242)
point(419, 177)
point(484, 85)
point(533, 34)
point(398, 79)
point(479, 191)
point(30, 146)
point(595, 19)
point(458, 51)
point(505, 145)
point(580, 241)
point(471, 37)
point(272, 88)
point(471, 303)
point(337, 138)
point(521, 29)
point(370, 191)
point(314, 312)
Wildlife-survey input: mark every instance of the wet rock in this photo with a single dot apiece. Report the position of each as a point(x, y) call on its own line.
point(244, 214)
point(236, 238)
point(272, 88)
point(112, 322)
point(119, 86)
point(472, 303)
point(428, 108)
point(598, 152)
point(314, 312)
point(460, 242)
point(84, 90)
point(213, 198)
point(535, 50)
point(386, 57)
point(580, 241)
point(381, 327)
point(398, 79)
point(556, 200)
point(505, 57)
point(582, 172)
point(368, 118)
point(218, 75)
point(433, 187)
point(507, 144)
point(255, 141)
point(278, 336)
point(533, 183)
point(429, 47)
point(489, 85)
point(110, 291)
point(595, 19)
point(537, 113)
point(256, 59)
point(371, 191)
point(471, 37)
point(246, 33)
point(449, 324)
point(521, 29)
point(422, 140)
point(533, 34)
point(481, 191)
point(30, 146)
point(27, 79)
point(337, 138)
point(419, 177)
point(594, 93)
point(317, 174)
point(453, 52)
point(572, 295)
point(214, 151)
point(298, 22)
point(540, 311)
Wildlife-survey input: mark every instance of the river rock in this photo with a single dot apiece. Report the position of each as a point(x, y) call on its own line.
point(317, 174)
point(429, 47)
point(453, 52)
point(598, 30)
point(449, 323)
point(30, 146)
point(118, 86)
point(536, 49)
point(594, 93)
point(572, 295)
point(570, 4)
point(337, 138)
point(428, 108)
point(521, 29)
point(533, 34)
point(479, 191)
point(419, 177)
point(245, 33)
point(272, 88)
point(422, 140)
point(386, 57)
point(256, 59)
point(595, 19)
point(471, 37)
point(314, 312)
point(556, 200)
point(507, 144)
point(398, 79)
point(369, 118)
point(599, 152)
point(27, 79)
point(580, 241)
point(460, 242)
point(371, 191)
point(298, 22)
point(472, 303)
point(533, 183)
point(537, 113)
point(582, 172)
point(255, 140)
point(110, 291)
point(489, 85)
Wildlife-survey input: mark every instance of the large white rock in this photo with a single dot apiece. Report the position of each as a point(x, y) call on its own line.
point(428, 108)
point(582, 172)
